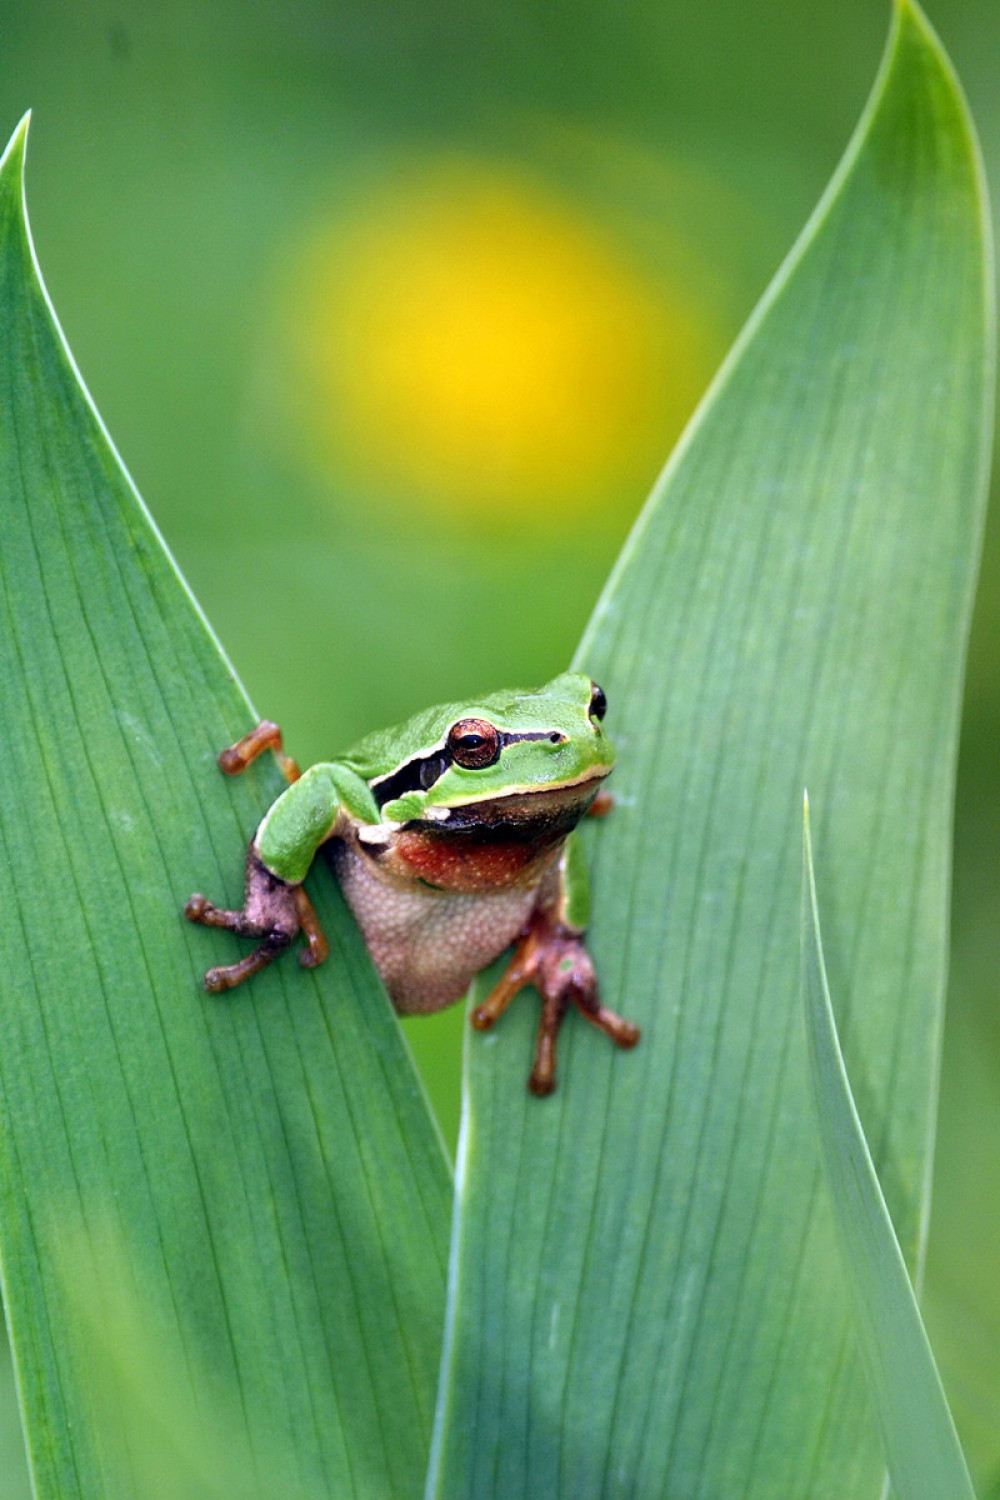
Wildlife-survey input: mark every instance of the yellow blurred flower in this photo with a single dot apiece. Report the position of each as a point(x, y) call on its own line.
point(468, 342)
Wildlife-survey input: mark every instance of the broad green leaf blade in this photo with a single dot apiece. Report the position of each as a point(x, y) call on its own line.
point(13, 1467)
point(922, 1449)
point(646, 1297)
point(266, 1160)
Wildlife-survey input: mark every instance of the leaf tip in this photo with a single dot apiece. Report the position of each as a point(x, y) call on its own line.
point(910, 25)
point(12, 161)
point(806, 837)
point(913, 40)
point(909, 13)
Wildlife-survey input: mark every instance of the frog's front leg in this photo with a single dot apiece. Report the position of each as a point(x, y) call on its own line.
point(276, 907)
point(551, 955)
point(272, 910)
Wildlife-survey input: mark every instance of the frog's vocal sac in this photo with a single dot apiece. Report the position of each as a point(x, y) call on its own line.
point(452, 837)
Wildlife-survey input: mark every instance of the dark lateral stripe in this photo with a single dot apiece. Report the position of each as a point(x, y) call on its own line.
point(420, 773)
point(413, 776)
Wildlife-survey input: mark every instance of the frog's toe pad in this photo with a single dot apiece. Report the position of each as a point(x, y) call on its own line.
point(217, 980)
point(623, 1033)
point(541, 1083)
point(628, 1033)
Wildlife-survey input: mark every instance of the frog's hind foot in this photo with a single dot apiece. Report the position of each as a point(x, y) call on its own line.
point(553, 958)
point(267, 736)
point(274, 911)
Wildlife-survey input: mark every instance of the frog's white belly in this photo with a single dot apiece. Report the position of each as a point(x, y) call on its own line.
point(428, 945)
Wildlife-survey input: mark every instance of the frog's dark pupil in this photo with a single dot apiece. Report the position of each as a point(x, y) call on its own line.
point(598, 702)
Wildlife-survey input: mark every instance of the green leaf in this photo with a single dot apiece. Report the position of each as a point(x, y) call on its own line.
point(646, 1297)
point(13, 1469)
point(265, 1162)
point(922, 1449)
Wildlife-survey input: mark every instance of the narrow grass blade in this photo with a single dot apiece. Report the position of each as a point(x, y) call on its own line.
point(924, 1457)
point(266, 1159)
point(646, 1297)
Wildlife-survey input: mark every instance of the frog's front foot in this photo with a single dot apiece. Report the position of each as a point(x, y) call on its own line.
point(273, 911)
point(554, 959)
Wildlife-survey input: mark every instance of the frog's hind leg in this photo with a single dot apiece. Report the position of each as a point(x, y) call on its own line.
point(274, 911)
point(552, 957)
point(267, 736)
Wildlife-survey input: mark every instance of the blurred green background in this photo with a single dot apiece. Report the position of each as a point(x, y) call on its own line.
point(394, 311)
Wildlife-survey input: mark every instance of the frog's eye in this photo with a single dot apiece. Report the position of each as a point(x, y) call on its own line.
point(598, 702)
point(474, 743)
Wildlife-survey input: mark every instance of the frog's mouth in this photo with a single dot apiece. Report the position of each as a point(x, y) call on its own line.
point(538, 816)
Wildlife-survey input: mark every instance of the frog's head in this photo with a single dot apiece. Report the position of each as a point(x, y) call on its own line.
point(513, 758)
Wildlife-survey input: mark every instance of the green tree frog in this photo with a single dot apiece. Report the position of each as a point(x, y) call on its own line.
point(452, 837)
